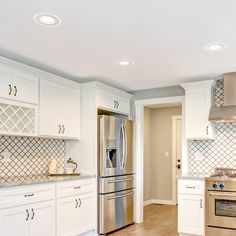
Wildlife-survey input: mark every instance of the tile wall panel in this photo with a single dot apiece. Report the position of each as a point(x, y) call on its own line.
point(30, 156)
point(220, 152)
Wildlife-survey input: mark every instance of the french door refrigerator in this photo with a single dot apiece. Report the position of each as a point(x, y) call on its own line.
point(116, 173)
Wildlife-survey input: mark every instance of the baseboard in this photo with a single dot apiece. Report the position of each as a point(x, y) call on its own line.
point(158, 201)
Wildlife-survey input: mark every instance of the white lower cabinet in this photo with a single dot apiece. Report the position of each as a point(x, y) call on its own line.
point(31, 220)
point(63, 209)
point(75, 215)
point(13, 221)
point(191, 206)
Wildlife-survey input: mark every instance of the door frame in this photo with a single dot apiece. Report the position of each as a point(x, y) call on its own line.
point(174, 157)
point(139, 146)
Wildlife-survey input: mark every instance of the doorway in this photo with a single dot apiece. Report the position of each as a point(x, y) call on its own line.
point(166, 155)
point(162, 153)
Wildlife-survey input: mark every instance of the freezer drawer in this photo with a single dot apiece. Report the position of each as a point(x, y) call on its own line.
point(115, 210)
point(117, 183)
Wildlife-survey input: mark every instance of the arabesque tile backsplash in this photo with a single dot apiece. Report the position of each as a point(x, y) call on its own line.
point(30, 156)
point(220, 152)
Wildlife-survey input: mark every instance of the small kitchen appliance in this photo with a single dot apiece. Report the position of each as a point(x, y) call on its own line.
point(220, 209)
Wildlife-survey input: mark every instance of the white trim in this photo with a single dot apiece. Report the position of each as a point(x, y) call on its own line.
point(174, 147)
point(139, 146)
point(158, 201)
point(139, 163)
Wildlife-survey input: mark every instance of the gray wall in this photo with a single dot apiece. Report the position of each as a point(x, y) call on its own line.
point(157, 141)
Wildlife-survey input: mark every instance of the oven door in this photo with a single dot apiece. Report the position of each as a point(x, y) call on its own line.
point(221, 209)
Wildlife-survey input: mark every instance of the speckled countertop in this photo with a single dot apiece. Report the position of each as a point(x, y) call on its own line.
point(39, 179)
point(199, 176)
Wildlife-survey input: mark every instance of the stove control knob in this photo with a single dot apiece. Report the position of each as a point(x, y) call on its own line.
point(221, 186)
point(215, 185)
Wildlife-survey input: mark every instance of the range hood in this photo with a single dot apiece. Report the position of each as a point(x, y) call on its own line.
point(226, 112)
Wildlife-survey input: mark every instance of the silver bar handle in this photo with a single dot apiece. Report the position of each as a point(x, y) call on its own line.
point(32, 214)
point(80, 202)
point(10, 89)
point(123, 146)
point(15, 91)
point(29, 195)
point(120, 180)
point(59, 131)
point(120, 196)
point(201, 203)
point(76, 203)
point(222, 194)
point(27, 215)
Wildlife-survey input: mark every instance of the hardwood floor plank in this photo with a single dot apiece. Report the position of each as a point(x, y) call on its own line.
point(159, 220)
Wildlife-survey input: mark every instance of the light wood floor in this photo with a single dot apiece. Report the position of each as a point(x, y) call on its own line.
point(159, 220)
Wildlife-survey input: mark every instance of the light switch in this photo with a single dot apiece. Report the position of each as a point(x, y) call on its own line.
point(167, 154)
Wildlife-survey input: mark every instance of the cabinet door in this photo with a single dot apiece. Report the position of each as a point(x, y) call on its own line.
point(114, 103)
point(6, 86)
point(25, 87)
point(87, 213)
point(67, 216)
point(198, 104)
point(49, 109)
point(191, 214)
point(42, 219)
point(70, 112)
point(14, 221)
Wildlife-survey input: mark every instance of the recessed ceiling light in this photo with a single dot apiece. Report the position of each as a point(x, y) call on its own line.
point(124, 63)
point(47, 19)
point(215, 47)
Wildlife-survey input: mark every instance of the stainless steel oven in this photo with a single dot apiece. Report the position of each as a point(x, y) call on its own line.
point(220, 209)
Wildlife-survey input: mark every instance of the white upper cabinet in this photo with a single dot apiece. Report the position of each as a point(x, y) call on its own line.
point(25, 87)
point(198, 101)
point(113, 102)
point(18, 85)
point(58, 110)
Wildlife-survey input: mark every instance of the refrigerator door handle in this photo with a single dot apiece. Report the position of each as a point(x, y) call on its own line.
point(122, 146)
point(125, 147)
point(120, 180)
point(120, 196)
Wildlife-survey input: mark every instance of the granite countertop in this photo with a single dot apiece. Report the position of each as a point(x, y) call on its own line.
point(39, 179)
point(197, 176)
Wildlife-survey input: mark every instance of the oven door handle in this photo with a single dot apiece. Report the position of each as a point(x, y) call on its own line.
point(213, 194)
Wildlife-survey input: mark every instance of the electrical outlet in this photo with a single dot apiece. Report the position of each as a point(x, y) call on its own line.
point(6, 156)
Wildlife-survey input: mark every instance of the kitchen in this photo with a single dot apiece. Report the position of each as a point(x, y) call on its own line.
point(73, 133)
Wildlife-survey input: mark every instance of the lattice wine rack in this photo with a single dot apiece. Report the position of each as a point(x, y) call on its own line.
point(17, 120)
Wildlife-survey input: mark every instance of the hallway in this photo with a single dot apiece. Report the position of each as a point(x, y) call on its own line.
point(159, 220)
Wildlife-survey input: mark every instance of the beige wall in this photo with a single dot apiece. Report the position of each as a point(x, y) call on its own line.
point(158, 141)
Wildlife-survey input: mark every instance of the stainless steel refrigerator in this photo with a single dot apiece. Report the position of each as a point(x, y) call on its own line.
point(116, 173)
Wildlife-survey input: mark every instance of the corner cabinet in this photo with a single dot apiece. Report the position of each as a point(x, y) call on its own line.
point(191, 207)
point(58, 110)
point(198, 102)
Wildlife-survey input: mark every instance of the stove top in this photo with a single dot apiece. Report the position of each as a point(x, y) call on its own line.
point(224, 179)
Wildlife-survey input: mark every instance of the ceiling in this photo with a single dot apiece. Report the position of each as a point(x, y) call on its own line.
point(164, 39)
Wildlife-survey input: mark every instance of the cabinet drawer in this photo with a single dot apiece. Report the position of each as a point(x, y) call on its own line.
point(187, 186)
point(15, 196)
point(75, 187)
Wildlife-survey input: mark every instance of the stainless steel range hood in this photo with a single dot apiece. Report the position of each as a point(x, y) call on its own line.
point(226, 112)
